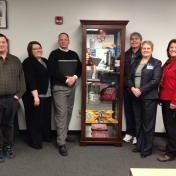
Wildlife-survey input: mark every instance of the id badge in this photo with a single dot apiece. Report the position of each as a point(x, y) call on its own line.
point(150, 67)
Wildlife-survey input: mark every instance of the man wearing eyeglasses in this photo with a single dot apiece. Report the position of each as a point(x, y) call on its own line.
point(12, 87)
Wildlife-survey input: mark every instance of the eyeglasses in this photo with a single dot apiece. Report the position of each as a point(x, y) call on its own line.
point(35, 49)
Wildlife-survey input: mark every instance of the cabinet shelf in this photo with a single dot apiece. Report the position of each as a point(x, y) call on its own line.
point(106, 114)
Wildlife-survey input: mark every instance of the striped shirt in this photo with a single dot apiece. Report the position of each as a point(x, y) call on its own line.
point(12, 80)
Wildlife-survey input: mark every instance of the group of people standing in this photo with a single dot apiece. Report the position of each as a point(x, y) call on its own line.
point(35, 81)
point(148, 84)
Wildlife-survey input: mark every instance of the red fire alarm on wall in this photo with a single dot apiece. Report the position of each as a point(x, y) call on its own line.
point(59, 20)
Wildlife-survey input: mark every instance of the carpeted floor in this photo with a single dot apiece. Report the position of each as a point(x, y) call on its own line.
point(99, 160)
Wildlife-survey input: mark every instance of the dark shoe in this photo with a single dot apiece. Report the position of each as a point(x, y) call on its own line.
point(135, 150)
point(69, 139)
point(2, 159)
point(165, 158)
point(63, 150)
point(163, 149)
point(8, 152)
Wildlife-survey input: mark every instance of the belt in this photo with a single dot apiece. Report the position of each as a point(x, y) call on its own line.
point(6, 96)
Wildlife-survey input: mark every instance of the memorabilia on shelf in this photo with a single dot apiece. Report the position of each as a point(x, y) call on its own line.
point(100, 134)
point(108, 93)
point(100, 116)
point(101, 36)
point(108, 45)
point(99, 127)
point(109, 77)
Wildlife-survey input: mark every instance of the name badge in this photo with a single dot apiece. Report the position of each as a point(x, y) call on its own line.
point(150, 67)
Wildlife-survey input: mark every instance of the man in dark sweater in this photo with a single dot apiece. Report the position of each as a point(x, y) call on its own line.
point(130, 56)
point(65, 68)
point(12, 87)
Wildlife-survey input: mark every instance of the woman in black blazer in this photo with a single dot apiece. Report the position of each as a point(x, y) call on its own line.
point(37, 99)
point(143, 82)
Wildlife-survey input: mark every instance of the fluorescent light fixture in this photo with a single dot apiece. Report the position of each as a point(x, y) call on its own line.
point(92, 29)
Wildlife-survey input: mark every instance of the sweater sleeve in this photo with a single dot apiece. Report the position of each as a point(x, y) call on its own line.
point(173, 101)
point(30, 74)
point(79, 67)
point(53, 68)
point(22, 85)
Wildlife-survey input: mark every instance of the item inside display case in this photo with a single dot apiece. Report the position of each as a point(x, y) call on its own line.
point(108, 77)
point(99, 127)
point(102, 35)
point(100, 134)
point(94, 116)
point(108, 93)
point(108, 45)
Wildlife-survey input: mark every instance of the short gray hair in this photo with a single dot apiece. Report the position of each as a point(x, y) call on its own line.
point(136, 34)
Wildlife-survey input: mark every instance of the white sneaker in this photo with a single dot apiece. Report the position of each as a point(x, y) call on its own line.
point(134, 141)
point(127, 138)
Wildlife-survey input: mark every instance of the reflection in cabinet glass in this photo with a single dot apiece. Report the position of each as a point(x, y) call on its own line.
point(103, 47)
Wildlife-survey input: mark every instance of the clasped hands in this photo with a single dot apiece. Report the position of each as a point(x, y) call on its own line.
point(136, 91)
point(70, 80)
point(172, 106)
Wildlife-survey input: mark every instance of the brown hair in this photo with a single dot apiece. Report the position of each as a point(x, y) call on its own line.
point(172, 41)
point(63, 33)
point(29, 47)
point(2, 35)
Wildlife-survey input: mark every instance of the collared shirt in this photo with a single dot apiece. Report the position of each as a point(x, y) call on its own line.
point(134, 55)
point(48, 94)
point(63, 49)
point(12, 80)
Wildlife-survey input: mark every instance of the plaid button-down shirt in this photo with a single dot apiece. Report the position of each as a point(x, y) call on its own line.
point(12, 80)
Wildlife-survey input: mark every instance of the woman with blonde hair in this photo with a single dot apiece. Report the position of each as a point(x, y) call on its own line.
point(143, 82)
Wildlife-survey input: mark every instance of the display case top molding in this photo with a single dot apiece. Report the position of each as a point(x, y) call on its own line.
point(104, 22)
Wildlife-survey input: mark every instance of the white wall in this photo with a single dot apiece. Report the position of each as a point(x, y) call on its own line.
point(34, 20)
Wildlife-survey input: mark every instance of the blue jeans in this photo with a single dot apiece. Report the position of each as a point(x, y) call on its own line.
point(129, 114)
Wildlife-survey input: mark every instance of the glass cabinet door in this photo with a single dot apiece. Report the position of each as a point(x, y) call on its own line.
point(102, 82)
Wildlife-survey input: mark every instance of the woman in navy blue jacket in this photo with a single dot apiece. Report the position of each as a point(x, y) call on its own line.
point(37, 99)
point(143, 82)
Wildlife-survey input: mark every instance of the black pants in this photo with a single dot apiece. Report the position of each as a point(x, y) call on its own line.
point(129, 114)
point(169, 119)
point(8, 108)
point(38, 121)
point(145, 116)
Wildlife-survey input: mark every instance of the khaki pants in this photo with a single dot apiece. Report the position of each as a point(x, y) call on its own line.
point(63, 102)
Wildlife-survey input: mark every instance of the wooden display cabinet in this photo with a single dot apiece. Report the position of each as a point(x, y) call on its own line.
point(103, 43)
